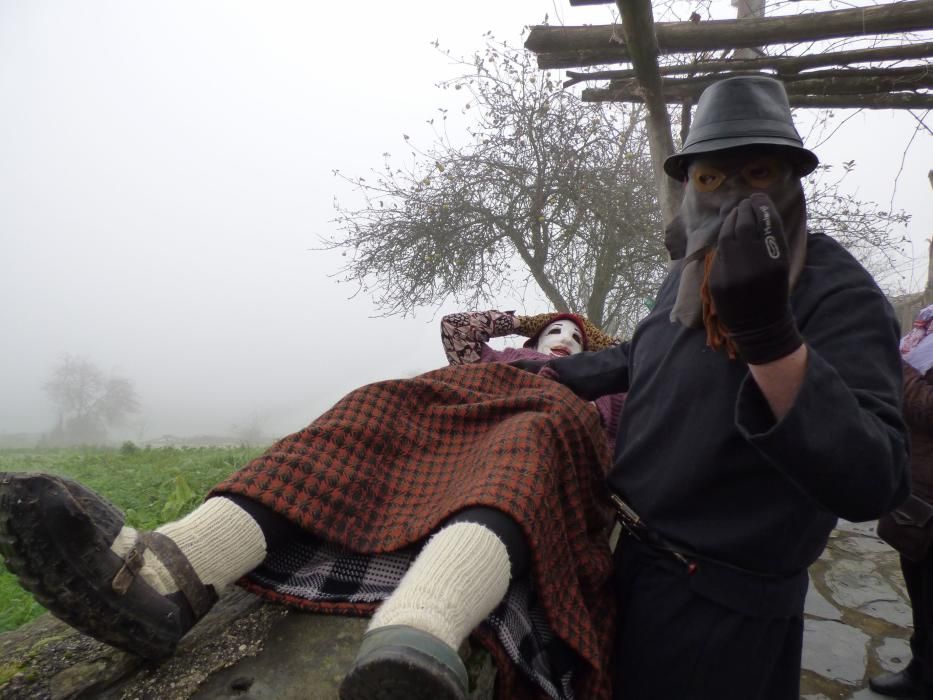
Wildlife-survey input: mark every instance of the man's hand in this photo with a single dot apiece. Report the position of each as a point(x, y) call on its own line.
point(749, 282)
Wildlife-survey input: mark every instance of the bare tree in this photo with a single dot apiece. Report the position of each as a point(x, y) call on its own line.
point(548, 191)
point(673, 61)
point(88, 401)
point(873, 234)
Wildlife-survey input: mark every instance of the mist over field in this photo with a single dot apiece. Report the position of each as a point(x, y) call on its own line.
point(167, 173)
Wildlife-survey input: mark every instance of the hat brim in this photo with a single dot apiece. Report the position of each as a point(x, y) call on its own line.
point(804, 159)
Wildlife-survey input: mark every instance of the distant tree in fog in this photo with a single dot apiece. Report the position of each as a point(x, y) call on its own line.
point(88, 401)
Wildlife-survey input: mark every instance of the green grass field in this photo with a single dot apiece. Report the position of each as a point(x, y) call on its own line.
point(151, 486)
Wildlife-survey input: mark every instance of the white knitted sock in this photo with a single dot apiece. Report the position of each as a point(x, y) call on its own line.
point(460, 576)
point(220, 539)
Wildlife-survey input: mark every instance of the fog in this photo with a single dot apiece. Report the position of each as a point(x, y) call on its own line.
point(166, 171)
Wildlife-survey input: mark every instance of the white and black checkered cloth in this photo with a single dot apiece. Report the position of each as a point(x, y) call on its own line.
point(318, 571)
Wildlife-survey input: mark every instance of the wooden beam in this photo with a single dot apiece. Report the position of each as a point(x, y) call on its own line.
point(832, 82)
point(638, 29)
point(865, 100)
point(782, 65)
point(566, 47)
point(900, 100)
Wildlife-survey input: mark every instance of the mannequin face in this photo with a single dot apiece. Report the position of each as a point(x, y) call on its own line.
point(561, 338)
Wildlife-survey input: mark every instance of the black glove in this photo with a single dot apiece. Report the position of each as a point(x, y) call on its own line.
point(533, 366)
point(749, 282)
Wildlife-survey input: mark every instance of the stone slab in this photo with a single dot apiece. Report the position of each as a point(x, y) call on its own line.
point(835, 651)
point(816, 605)
point(863, 545)
point(867, 528)
point(893, 653)
point(854, 583)
point(896, 612)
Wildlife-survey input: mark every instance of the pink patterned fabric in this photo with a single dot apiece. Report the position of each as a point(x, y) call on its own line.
point(916, 345)
point(464, 335)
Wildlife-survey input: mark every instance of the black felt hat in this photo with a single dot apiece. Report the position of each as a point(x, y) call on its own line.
point(747, 110)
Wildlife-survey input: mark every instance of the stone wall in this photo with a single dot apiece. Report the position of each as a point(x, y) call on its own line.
point(243, 649)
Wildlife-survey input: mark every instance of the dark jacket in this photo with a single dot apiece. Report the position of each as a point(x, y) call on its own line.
point(700, 455)
point(918, 412)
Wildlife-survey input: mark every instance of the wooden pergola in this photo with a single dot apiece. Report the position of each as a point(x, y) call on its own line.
point(672, 62)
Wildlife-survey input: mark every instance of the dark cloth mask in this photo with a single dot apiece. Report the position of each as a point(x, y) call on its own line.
point(695, 231)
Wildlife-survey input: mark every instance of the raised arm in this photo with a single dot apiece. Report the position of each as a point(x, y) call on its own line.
point(464, 334)
point(842, 439)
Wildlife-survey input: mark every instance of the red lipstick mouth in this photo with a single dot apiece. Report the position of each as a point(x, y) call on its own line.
point(560, 350)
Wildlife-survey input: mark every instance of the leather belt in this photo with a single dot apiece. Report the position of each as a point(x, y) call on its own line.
point(635, 527)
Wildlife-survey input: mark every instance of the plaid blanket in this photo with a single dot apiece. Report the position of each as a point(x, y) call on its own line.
point(321, 576)
point(390, 462)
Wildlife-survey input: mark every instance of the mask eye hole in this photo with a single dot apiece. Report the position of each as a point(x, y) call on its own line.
point(706, 179)
point(761, 174)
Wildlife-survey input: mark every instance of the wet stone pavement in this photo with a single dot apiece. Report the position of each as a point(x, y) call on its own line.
point(857, 622)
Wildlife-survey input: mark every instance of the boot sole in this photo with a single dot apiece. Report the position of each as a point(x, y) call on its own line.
point(74, 585)
point(400, 674)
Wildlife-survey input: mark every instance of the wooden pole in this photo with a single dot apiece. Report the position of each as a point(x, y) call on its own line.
point(928, 292)
point(746, 9)
point(638, 30)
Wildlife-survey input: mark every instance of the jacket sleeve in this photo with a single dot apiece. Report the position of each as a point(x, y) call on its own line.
point(918, 399)
point(593, 374)
point(844, 441)
point(464, 334)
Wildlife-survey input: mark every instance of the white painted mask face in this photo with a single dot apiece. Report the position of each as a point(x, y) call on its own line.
point(560, 338)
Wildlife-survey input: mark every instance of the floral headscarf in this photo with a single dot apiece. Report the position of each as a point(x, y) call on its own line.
point(917, 345)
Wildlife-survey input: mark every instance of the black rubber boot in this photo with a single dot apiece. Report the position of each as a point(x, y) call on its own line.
point(55, 536)
point(398, 662)
point(903, 684)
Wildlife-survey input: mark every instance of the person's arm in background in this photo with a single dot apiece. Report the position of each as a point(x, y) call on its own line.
point(918, 399)
point(465, 334)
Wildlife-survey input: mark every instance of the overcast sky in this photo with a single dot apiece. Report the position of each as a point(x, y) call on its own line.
point(165, 171)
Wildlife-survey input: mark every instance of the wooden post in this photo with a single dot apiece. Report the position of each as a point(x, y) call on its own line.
point(928, 292)
point(748, 8)
point(638, 31)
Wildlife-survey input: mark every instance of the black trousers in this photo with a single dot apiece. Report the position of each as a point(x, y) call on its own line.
point(673, 642)
point(919, 579)
point(277, 529)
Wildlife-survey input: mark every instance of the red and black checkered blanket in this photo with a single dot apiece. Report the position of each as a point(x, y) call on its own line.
point(390, 462)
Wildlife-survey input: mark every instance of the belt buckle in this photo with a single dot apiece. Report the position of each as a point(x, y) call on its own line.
point(628, 518)
point(632, 523)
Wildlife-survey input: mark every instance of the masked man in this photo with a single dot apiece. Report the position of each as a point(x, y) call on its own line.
point(764, 396)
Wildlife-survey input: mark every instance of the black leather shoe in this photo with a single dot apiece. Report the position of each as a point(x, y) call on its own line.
point(55, 536)
point(903, 684)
